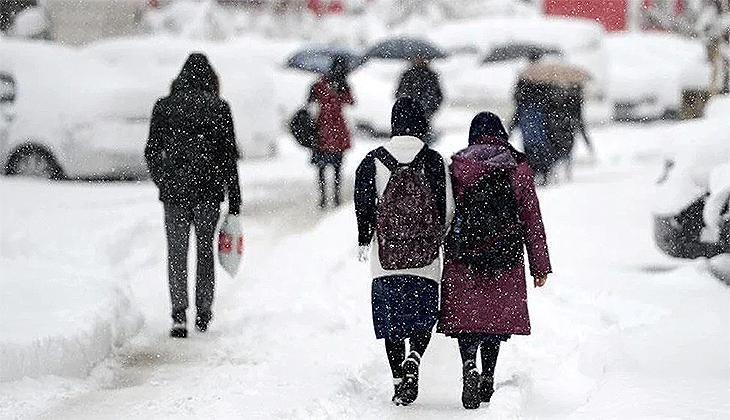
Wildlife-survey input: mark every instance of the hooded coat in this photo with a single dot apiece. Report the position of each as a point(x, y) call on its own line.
point(333, 135)
point(477, 301)
point(191, 150)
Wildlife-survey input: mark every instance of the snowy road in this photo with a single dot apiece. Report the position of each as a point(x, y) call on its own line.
point(620, 331)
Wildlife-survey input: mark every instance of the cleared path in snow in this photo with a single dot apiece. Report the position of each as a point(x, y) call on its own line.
point(614, 335)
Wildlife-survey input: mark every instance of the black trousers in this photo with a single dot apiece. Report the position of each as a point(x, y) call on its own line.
point(323, 184)
point(179, 218)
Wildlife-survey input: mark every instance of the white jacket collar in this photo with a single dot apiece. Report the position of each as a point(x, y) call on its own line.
point(404, 148)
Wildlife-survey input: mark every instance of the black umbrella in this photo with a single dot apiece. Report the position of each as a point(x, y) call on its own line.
point(514, 51)
point(405, 49)
point(318, 59)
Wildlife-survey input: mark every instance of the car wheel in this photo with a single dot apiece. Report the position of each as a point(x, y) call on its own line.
point(35, 162)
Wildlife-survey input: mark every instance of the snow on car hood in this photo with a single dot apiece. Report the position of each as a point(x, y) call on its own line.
point(696, 148)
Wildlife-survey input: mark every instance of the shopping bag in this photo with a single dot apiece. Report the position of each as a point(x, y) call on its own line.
point(230, 244)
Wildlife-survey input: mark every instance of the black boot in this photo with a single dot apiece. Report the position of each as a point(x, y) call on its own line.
point(397, 386)
point(409, 388)
point(470, 393)
point(179, 328)
point(486, 388)
point(202, 320)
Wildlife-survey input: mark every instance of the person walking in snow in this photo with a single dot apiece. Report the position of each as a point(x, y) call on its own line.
point(532, 118)
point(402, 203)
point(331, 92)
point(564, 119)
point(483, 291)
point(191, 154)
point(421, 83)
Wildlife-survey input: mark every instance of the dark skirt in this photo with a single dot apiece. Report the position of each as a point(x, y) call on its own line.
point(321, 158)
point(404, 306)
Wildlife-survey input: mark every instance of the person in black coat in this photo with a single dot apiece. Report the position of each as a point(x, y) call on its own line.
point(191, 155)
point(421, 83)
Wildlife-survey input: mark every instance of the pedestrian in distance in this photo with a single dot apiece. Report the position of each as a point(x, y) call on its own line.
point(402, 202)
point(532, 118)
point(191, 155)
point(483, 291)
point(565, 118)
point(421, 82)
point(331, 93)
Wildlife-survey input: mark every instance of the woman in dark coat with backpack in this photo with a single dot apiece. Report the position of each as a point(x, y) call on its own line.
point(331, 92)
point(481, 306)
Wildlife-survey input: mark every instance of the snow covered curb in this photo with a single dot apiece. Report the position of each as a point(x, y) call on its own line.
point(66, 270)
point(114, 320)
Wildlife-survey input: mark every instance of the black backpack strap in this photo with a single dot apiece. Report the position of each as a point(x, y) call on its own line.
point(384, 156)
point(419, 160)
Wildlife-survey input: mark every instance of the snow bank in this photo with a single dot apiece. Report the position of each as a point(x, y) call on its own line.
point(63, 304)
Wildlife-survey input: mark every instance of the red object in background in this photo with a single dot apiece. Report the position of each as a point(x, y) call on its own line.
point(613, 14)
point(322, 7)
point(153, 4)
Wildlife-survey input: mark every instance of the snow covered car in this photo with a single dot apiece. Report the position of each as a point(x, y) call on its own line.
point(244, 68)
point(70, 116)
point(647, 72)
point(691, 207)
point(469, 81)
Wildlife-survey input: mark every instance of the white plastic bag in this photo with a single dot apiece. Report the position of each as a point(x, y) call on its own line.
point(230, 244)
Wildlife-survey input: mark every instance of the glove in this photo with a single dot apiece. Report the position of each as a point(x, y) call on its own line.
point(363, 253)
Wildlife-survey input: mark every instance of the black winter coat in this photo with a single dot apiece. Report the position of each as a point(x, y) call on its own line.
point(422, 84)
point(191, 151)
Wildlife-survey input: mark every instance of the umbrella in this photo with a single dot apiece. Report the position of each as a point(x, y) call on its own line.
point(318, 59)
point(555, 73)
point(514, 51)
point(405, 49)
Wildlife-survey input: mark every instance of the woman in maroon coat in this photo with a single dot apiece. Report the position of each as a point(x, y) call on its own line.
point(331, 92)
point(478, 307)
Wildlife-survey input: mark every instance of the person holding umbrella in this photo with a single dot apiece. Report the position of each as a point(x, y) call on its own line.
point(331, 93)
point(421, 83)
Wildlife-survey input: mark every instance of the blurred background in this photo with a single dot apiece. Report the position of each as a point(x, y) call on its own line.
point(631, 324)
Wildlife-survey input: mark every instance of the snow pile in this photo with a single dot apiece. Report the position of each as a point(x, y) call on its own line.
point(29, 23)
point(63, 303)
point(192, 19)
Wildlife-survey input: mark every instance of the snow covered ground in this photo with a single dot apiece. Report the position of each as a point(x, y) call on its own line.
point(620, 331)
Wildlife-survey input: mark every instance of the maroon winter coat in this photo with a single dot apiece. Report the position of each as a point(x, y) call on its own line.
point(478, 301)
point(333, 136)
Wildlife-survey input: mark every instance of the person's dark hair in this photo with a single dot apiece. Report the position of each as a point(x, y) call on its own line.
point(339, 69)
point(486, 124)
point(407, 119)
point(197, 74)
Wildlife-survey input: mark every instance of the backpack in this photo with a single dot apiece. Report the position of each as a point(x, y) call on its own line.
point(486, 233)
point(532, 126)
point(303, 128)
point(408, 226)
